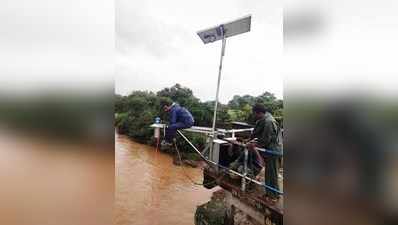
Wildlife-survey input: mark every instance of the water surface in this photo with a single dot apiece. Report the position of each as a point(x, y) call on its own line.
point(151, 190)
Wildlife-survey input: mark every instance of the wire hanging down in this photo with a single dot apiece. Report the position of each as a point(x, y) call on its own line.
point(186, 174)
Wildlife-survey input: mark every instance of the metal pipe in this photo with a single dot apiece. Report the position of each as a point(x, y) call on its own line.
point(218, 89)
point(245, 170)
point(267, 151)
point(238, 130)
point(193, 146)
point(270, 152)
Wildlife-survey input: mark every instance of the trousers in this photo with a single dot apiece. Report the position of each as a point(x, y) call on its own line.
point(172, 130)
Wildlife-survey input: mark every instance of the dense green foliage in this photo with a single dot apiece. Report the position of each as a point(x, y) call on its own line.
point(240, 106)
point(135, 112)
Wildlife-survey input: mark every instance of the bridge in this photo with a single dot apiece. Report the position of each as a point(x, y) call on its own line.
point(246, 194)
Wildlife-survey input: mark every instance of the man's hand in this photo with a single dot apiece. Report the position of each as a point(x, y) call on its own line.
point(251, 146)
point(261, 175)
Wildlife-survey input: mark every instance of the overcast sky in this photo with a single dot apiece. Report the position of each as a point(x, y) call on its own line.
point(157, 46)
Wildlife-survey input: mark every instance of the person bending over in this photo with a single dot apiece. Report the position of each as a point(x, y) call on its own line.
point(180, 118)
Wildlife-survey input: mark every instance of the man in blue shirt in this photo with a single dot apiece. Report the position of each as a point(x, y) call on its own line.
point(180, 118)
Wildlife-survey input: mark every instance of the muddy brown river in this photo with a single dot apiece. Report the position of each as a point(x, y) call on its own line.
point(151, 190)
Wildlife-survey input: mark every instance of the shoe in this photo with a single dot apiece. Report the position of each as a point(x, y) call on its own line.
point(165, 145)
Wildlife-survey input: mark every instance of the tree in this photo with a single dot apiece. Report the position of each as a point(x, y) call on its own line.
point(180, 94)
point(240, 101)
point(120, 104)
point(240, 106)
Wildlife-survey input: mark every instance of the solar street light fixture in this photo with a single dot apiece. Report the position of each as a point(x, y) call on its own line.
point(222, 32)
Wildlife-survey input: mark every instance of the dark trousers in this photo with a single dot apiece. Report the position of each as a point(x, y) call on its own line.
point(172, 129)
point(271, 175)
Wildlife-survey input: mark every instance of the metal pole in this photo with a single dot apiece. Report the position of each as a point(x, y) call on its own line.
point(218, 90)
point(245, 170)
point(218, 85)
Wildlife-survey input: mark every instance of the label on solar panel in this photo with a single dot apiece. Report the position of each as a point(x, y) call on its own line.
point(229, 29)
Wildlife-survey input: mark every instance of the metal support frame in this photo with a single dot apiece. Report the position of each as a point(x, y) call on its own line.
point(245, 170)
point(209, 159)
point(224, 40)
point(243, 176)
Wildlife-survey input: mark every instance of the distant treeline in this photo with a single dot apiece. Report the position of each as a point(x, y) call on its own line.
point(135, 112)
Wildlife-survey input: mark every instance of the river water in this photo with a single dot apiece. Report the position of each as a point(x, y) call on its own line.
point(151, 190)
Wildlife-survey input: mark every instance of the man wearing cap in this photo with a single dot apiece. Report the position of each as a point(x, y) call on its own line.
point(180, 118)
point(266, 134)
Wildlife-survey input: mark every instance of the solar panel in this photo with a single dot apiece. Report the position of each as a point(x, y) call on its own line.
point(229, 29)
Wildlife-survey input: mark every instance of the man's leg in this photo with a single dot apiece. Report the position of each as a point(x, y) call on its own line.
point(170, 133)
point(271, 176)
point(180, 125)
point(172, 130)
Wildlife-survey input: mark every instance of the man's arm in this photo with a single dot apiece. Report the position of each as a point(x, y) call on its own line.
point(252, 146)
point(257, 131)
point(266, 135)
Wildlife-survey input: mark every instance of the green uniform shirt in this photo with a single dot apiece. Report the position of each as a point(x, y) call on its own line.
point(266, 132)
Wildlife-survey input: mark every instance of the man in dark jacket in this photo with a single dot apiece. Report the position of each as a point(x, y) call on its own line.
point(180, 118)
point(266, 134)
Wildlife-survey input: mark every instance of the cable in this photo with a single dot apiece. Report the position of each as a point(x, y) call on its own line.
point(186, 174)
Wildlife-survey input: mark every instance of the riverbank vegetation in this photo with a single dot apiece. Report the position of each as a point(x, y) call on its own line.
point(136, 112)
